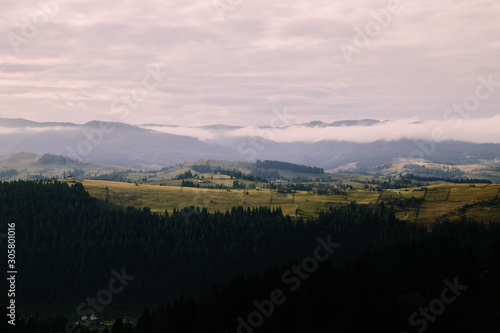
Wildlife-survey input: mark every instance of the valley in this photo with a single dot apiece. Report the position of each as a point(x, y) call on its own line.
point(423, 205)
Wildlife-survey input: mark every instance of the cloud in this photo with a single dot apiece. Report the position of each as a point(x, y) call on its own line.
point(31, 130)
point(484, 130)
point(263, 55)
point(287, 129)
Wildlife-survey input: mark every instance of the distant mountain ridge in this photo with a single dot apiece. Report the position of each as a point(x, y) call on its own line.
point(120, 144)
point(133, 146)
point(22, 123)
point(341, 123)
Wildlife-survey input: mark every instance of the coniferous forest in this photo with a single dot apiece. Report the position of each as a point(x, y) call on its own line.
point(353, 269)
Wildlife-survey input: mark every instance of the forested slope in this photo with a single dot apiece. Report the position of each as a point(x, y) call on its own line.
point(68, 243)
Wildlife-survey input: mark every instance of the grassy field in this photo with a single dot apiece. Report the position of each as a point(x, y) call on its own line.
point(452, 200)
point(390, 194)
point(476, 201)
point(486, 192)
point(437, 194)
point(161, 198)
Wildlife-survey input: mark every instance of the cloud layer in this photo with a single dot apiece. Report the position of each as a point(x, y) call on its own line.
point(90, 60)
point(483, 130)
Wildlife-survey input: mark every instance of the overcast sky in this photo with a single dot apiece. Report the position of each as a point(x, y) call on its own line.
point(236, 62)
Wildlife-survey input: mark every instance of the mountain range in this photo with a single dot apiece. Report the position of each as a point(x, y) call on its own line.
point(153, 146)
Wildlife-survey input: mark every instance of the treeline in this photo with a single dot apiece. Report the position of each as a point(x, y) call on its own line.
point(288, 166)
point(189, 183)
point(412, 180)
point(233, 173)
point(206, 184)
point(319, 188)
point(55, 159)
point(8, 173)
point(236, 185)
point(300, 187)
point(449, 180)
point(447, 172)
point(402, 181)
point(186, 175)
point(116, 176)
point(268, 175)
point(239, 175)
point(202, 168)
point(77, 173)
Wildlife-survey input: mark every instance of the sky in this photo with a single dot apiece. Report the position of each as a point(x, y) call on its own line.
point(241, 62)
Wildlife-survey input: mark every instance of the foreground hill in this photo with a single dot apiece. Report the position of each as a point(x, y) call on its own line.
point(344, 271)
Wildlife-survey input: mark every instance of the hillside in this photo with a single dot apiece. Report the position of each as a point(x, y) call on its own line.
point(38, 166)
point(198, 269)
point(423, 205)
